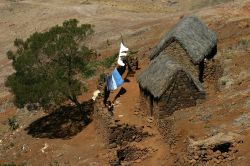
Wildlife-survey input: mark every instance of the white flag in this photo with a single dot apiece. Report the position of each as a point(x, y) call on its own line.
point(122, 53)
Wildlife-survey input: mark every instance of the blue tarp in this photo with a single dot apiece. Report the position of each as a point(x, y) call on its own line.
point(114, 80)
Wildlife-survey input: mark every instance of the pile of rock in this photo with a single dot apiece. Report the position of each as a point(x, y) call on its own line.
point(216, 149)
point(122, 134)
point(121, 139)
point(167, 130)
point(130, 154)
point(102, 118)
point(132, 62)
point(115, 133)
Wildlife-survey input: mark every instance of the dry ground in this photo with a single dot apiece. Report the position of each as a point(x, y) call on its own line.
point(142, 23)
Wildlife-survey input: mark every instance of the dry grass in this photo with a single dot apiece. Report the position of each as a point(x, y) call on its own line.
point(208, 3)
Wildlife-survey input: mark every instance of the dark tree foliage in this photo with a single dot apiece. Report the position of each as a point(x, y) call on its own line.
point(49, 64)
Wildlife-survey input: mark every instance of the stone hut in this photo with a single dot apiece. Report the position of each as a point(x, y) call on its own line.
point(173, 78)
point(167, 86)
point(189, 42)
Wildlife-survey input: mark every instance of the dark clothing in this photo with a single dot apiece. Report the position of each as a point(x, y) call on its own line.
point(106, 95)
point(121, 69)
point(111, 109)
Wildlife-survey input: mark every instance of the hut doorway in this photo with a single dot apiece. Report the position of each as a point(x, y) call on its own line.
point(151, 105)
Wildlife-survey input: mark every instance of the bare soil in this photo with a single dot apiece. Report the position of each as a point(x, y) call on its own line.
point(142, 24)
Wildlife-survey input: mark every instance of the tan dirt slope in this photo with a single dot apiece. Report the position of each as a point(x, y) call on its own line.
point(142, 23)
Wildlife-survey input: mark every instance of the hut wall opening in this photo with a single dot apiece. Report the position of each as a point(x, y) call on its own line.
point(201, 71)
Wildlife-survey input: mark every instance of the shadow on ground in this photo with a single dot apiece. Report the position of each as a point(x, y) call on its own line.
point(122, 91)
point(63, 123)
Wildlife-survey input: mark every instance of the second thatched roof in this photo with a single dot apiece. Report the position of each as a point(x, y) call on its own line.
point(193, 35)
point(161, 73)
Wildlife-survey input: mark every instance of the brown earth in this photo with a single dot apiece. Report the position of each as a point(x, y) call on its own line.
point(142, 23)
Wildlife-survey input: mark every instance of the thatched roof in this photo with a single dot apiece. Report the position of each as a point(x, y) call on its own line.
point(160, 74)
point(193, 35)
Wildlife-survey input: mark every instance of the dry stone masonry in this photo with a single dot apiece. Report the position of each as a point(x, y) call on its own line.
point(173, 79)
point(219, 148)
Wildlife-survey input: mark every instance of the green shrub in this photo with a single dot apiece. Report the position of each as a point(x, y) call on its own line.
point(54, 163)
point(13, 124)
point(90, 69)
point(107, 62)
point(8, 165)
point(102, 78)
point(244, 44)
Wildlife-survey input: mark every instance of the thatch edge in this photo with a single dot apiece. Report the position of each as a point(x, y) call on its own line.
point(189, 75)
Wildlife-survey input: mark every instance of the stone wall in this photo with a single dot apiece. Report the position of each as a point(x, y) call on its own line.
point(219, 148)
point(120, 138)
point(182, 94)
point(212, 71)
point(145, 102)
point(114, 133)
point(102, 119)
point(166, 127)
point(180, 55)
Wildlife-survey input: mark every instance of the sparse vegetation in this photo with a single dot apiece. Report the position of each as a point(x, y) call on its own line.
point(8, 146)
point(107, 63)
point(8, 165)
point(48, 64)
point(13, 124)
point(206, 126)
point(207, 3)
point(90, 69)
point(60, 136)
point(54, 163)
point(132, 53)
point(102, 77)
point(244, 44)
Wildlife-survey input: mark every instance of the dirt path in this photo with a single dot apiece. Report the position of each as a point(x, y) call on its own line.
point(126, 103)
point(142, 26)
point(126, 107)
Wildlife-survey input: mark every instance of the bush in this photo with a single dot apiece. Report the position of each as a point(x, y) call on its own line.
point(90, 69)
point(108, 62)
point(8, 165)
point(244, 44)
point(102, 78)
point(13, 124)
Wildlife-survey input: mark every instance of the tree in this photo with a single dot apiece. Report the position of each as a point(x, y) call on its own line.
point(48, 65)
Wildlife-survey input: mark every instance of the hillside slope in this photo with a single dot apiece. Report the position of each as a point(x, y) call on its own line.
point(142, 24)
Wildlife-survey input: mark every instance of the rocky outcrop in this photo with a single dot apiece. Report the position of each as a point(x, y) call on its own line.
point(215, 149)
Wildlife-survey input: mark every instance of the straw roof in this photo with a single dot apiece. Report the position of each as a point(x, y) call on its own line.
point(193, 35)
point(160, 74)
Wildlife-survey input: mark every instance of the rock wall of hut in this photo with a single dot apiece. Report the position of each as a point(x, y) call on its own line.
point(146, 103)
point(180, 55)
point(212, 71)
point(181, 94)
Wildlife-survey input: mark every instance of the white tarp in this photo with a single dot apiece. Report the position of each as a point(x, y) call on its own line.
point(122, 53)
